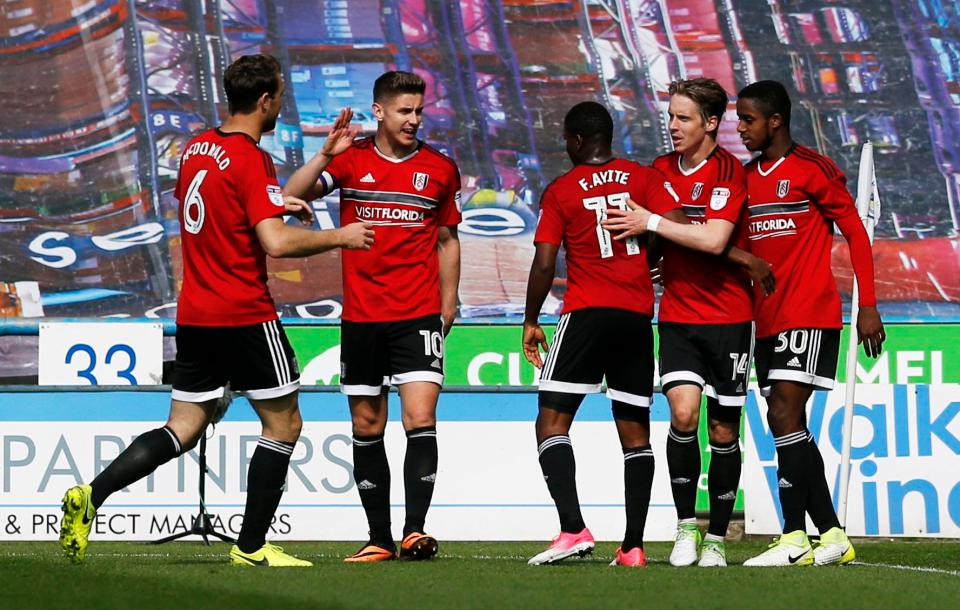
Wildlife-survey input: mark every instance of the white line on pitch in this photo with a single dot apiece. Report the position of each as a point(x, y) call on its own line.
point(898, 566)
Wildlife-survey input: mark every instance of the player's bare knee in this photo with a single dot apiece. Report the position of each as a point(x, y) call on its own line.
point(412, 421)
point(187, 431)
point(784, 420)
point(367, 424)
point(551, 422)
point(685, 420)
point(292, 426)
point(723, 432)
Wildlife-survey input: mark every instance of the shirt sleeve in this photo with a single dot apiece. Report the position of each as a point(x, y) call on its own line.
point(655, 192)
point(828, 189)
point(338, 172)
point(448, 213)
point(259, 191)
point(729, 194)
point(550, 223)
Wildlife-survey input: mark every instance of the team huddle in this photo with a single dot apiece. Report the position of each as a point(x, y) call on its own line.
point(743, 253)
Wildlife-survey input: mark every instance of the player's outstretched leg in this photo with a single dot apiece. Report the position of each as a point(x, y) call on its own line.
point(145, 454)
point(78, 515)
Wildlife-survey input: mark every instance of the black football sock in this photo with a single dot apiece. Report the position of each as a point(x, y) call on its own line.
point(560, 472)
point(819, 500)
point(145, 454)
point(419, 476)
point(723, 478)
point(372, 474)
point(793, 458)
point(683, 461)
point(637, 483)
point(265, 478)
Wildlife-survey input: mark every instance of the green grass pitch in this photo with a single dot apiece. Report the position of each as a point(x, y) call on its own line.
point(186, 576)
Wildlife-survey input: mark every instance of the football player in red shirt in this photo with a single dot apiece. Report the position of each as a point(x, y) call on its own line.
point(705, 319)
point(604, 329)
point(796, 198)
point(399, 299)
point(231, 209)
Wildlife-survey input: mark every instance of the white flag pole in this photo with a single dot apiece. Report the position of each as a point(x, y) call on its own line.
point(868, 207)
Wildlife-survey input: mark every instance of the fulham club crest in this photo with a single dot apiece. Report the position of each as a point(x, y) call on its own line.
point(697, 189)
point(783, 187)
point(420, 180)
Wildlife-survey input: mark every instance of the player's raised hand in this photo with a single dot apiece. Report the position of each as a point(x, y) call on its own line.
point(533, 341)
point(341, 134)
point(299, 208)
point(627, 223)
point(356, 236)
point(870, 331)
point(761, 272)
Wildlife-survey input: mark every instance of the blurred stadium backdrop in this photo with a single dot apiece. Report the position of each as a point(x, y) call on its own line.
point(101, 97)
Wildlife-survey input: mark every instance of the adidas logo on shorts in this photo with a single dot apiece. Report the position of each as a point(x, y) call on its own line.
point(785, 484)
point(430, 478)
point(794, 362)
point(730, 495)
point(680, 480)
point(365, 484)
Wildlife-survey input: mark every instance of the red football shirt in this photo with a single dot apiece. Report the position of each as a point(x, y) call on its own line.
point(407, 200)
point(227, 185)
point(700, 288)
point(602, 272)
point(794, 203)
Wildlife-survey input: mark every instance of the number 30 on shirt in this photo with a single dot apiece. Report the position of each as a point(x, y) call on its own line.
point(599, 206)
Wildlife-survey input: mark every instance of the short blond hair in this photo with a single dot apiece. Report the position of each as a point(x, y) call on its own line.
point(706, 93)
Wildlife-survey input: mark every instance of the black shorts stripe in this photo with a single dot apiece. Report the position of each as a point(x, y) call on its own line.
point(555, 348)
point(282, 364)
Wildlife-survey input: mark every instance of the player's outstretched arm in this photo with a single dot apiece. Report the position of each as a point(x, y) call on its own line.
point(448, 251)
point(542, 272)
point(280, 240)
point(711, 237)
point(305, 182)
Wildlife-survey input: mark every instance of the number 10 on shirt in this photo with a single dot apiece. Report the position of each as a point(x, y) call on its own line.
point(599, 206)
